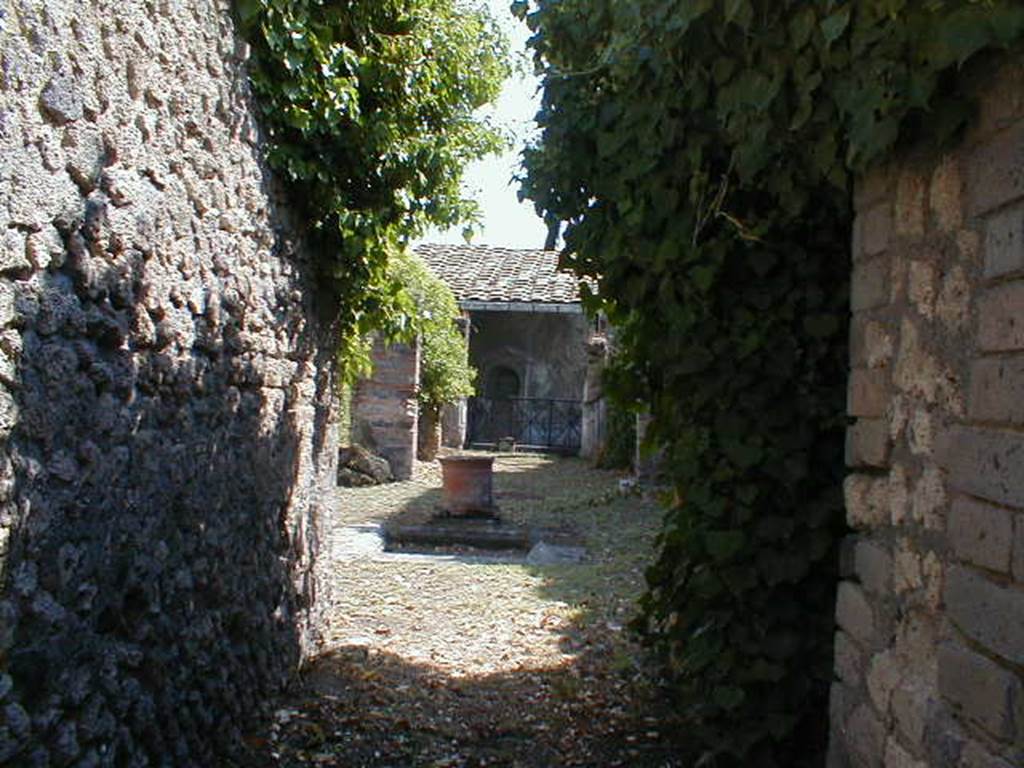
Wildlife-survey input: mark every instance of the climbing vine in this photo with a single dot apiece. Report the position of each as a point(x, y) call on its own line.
point(369, 115)
point(699, 154)
point(445, 372)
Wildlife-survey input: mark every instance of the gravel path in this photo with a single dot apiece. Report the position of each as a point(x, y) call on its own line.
point(472, 659)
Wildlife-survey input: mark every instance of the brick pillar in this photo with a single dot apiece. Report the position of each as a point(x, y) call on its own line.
point(930, 640)
point(385, 406)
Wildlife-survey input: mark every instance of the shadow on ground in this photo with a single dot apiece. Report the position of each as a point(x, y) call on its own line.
point(377, 709)
point(455, 664)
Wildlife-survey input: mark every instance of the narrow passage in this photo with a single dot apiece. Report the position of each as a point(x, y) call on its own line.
point(470, 658)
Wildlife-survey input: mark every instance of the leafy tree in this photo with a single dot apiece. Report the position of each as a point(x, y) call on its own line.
point(369, 109)
point(699, 155)
point(445, 372)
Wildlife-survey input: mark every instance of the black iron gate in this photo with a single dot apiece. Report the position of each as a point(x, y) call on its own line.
point(536, 423)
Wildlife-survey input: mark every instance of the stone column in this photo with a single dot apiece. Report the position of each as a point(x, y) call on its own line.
point(454, 415)
point(647, 465)
point(593, 427)
point(454, 423)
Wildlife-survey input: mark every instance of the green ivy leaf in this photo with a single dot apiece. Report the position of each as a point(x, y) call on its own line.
point(248, 11)
point(740, 12)
point(801, 25)
point(833, 26)
point(724, 545)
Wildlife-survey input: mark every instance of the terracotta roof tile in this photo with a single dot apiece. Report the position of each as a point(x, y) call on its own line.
point(486, 273)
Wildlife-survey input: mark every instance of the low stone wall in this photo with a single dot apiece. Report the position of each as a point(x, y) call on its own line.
point(166, 430)
point(930, 648)
point(385, 406)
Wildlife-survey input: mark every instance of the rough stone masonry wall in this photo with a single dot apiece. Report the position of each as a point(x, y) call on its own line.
point(929, 656)
point(165, 391)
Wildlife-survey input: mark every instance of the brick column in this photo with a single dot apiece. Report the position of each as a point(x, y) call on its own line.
point(385, 406)
point(930, 614)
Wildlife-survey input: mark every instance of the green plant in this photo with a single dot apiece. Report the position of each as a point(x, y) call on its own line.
point(369, 111)
point(619, 450)
point(700, 154)
point(445, 372)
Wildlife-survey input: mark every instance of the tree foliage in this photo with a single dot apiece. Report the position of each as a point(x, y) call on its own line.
point(369, 114)
point(445, 372)
point(700, 154)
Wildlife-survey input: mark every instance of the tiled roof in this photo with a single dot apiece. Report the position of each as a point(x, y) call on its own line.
point(485, 273)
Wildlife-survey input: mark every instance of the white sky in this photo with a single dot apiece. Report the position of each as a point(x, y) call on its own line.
point(506, 221)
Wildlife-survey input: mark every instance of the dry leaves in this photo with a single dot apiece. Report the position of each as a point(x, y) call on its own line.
point(466, 664)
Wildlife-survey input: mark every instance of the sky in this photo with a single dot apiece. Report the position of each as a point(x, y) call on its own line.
point(506, 221)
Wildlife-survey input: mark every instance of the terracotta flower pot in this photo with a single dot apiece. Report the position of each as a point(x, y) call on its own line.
point(468, 486)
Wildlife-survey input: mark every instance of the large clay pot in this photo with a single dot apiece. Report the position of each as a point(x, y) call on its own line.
point(468, 486)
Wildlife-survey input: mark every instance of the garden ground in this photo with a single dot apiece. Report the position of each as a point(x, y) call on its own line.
point(466, 658)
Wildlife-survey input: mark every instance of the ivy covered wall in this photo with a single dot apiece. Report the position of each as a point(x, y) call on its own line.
point(699, 157)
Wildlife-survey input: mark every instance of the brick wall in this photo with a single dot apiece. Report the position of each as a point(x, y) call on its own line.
point(930, 646)
point(385, 406)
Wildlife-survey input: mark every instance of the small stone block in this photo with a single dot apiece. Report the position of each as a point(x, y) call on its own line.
point(849, 660)
point(983, 462)
point(1004, 242)
point(981, 534)
point(865, 737)
point(946, 195)
point(871, 344)
point(1018, 549)
point(870, 286)
point(989, 613)
point(1001, 318)
point(987, 693)
point(994, 177)
point(896, 756)
point(1001, 100)
point(61, 99)
point(854, 613)
point(910, 211)
point(873, 186)
point(910, 711)
point(867, 501)
point(976, 756)
point(867, 443)
point(874, 567)
point(997, 390)
point(868, 393)
point(875, 229)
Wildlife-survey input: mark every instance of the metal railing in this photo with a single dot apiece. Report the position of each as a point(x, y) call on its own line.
point(533, 422)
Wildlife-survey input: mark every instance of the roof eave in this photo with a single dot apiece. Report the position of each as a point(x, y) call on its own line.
point(532, 307)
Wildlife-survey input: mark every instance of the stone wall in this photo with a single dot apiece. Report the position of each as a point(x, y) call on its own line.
point(385, 406)
point(165, 391)
point(930, 647)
